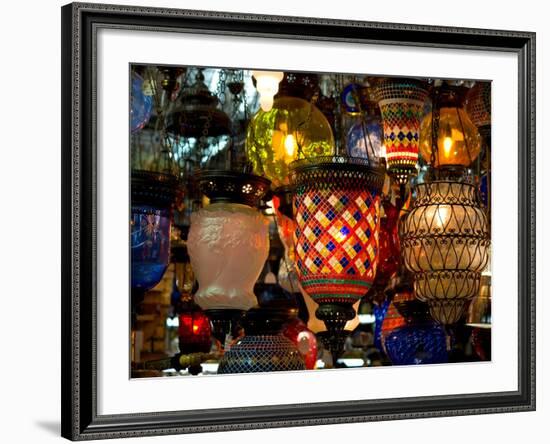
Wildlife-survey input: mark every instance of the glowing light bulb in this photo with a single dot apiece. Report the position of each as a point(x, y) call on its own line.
point(290, 145)
point(442, 216)
point(267, 84)
point(195, 328)
point(447, 145)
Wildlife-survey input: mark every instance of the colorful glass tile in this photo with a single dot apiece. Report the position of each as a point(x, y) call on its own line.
point(342, 265)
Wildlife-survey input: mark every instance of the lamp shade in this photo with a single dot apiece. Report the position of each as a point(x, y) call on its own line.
point(228, 239)
point(292, 129)
point(401, 103)
point(304, 340)
point(151, 211)
point(228, 245)
point(337, 213)
point(409, 335)
point(194, 330)
point(445, 243)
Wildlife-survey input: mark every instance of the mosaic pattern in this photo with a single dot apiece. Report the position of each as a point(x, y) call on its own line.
point(401, 105)
point(478, 104)
point(336, 241)
point(262, 353)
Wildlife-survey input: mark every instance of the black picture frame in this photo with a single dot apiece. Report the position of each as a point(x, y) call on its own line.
point(79, 386)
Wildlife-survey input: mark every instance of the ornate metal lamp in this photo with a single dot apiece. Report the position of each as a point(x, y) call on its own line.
point(337, 213)
point(445, 238)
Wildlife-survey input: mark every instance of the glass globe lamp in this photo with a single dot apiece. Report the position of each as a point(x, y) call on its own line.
point(228, 240)
point(458, 139)
point(292, 129)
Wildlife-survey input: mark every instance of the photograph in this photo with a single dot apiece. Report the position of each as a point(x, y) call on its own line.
point(291, 221)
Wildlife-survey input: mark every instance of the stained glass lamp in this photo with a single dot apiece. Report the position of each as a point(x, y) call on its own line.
point(337, 213)
point(401, 103)
point(292, 129)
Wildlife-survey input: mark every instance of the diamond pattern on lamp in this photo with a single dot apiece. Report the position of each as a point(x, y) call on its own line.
point(401, 123)
point(341, 226)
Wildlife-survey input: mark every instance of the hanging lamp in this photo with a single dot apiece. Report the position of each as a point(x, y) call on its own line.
point(445, 237)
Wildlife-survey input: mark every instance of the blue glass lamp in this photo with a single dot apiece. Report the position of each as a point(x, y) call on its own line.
point(153, 195)
point(409, 335)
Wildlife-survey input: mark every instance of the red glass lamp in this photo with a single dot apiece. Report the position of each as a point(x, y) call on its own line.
point(194, 331)
point(337, 213)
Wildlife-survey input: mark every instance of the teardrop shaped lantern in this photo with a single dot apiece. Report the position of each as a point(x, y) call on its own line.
point(401, 103)
point(445, 238)
point(337, 213)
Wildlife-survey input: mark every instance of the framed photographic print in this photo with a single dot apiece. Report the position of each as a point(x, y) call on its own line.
point(277, 221)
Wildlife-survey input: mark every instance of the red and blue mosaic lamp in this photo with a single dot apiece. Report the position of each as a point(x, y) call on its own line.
point(401, 103)
point(337, 212)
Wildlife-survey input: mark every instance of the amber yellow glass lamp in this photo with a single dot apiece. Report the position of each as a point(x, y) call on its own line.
point(458, 139)
point(293, 129)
